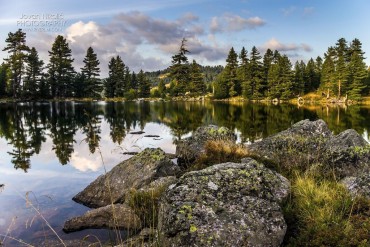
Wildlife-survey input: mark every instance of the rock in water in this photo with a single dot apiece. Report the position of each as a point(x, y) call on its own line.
point(228, 204)
point(134, 173)
point(118, 216)
point(189, 149)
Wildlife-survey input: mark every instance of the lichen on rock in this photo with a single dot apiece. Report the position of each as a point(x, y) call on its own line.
point(238, 204)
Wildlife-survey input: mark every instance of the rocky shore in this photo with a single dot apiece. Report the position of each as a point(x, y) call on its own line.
point(164, 203)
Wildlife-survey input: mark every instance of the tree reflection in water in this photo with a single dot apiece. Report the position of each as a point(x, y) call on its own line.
point(26, 126)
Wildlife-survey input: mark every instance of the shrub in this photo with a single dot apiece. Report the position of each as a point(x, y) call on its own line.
point(131, 94)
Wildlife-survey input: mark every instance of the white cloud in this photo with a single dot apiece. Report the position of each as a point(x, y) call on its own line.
point(275, 44)
point(234, 23)
point(288, 11)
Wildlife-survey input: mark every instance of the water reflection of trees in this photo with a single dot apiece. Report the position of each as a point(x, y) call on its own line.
point(26, 126)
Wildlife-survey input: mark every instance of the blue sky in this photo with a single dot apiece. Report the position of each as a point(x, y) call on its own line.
point(146, 33)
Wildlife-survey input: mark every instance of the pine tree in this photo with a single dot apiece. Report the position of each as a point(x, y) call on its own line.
point(79, 85)
point(144, 85)
point(341, 66)
point(110, 82)
point(60, 69)
point(230, 73)
point(33, 75)
point(119, 77)
point(253, 88)
point(162, 88)
point(18, 51)
point(197, 84)
point(3, 79)
point(91, 72)
point(327, 81)
point(133, 82)
point(357, 71)
point(299, 77)
point(310, 77)
point(286, 77)
point(179, 70)
point(243, 71)
point(267, 61)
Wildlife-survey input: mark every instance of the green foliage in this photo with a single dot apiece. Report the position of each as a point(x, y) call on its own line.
point(197, 84)
point(60, 69)
point(91, 72)
point(33, 75)
point(3, 79)
point(144, 85)
point(253, 87)
point(18, 50)
point(161, 89)
point(179, 70)
point(131, 94)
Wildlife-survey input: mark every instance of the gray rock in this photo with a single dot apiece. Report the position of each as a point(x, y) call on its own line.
point(118, 216)
point(134, 173)
point(358, 186)
point(346, 153)
point(68, 243)
point(146, 238)
point(311, 142)
point(191, 148)
point(228, 204)
point(298, 145)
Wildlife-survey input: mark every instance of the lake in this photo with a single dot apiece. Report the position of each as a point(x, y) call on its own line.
point(51, 151)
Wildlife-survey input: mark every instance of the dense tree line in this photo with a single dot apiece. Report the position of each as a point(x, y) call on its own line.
point(23, 75)
point(342, 72)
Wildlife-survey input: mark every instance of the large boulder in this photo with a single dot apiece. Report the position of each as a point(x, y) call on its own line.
point(346, 153)
point(298, 145)
point(134, 173)
point(311, 142)
point(118, 216)
point(229, 204)
point(189, 149)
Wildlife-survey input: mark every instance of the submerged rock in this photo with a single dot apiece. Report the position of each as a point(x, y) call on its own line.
point(134, 173)
point(118, 216)
point(229, 204)
point(189, 149)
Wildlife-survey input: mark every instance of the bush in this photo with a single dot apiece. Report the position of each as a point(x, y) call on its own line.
point(131, 94)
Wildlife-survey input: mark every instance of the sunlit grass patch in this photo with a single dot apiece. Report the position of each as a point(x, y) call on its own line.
point(219, 151)
point(321, 212)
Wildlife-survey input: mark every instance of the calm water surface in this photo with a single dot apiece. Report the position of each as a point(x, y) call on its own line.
point(51, 151)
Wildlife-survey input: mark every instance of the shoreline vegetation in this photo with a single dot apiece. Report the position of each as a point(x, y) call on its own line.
point(309, 99)
point(339, 76)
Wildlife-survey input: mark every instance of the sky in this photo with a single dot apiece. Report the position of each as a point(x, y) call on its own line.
point(146, 33)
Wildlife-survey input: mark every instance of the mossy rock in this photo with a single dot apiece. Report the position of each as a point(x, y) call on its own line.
point(229, 204)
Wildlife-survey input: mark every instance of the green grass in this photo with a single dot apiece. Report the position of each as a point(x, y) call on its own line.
point(321, 212)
